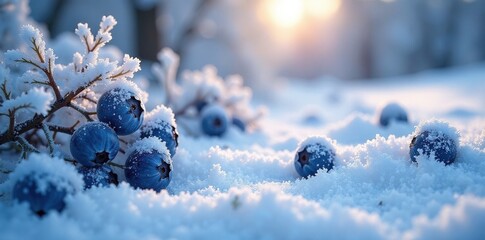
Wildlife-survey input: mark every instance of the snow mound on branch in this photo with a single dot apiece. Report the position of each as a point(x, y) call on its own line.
point(36, 100)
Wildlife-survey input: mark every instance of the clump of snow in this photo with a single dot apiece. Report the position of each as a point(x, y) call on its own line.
point(123, 89)
point(438, 128)
point(159, 118)
point(36, 100)
point(317, 144)
point(30, 34)
point(150, 144)
point(464, 220)
point(46, 170)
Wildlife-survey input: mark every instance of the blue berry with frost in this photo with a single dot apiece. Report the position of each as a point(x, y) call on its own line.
point(149, 166)
point(214, 120)
point(166, 133)
point(122, 110)
point(436, 140)
point(94, 143)
point(160, 123)
point(392, 112)
point(41, 199)
point(313, 154)
point(43, 182)
point(101, 176)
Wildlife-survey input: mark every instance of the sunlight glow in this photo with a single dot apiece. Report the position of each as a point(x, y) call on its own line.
point(321, 8)
point(291, 13)
point(285, 13)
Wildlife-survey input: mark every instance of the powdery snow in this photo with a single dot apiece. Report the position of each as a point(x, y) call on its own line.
point(45, 170)
point(159, 116)
point(149, 145)
point(244, 186)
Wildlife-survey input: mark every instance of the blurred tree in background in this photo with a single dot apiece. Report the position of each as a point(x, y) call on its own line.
point(350, 39)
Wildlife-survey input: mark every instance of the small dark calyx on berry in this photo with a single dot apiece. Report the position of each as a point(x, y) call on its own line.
point(135, 107)
point(303, 157)
point(40, 213)
point(164, 170)
point(217, 122)
point(101, 158)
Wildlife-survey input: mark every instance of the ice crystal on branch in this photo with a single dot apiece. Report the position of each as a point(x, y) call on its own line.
point(45, 87)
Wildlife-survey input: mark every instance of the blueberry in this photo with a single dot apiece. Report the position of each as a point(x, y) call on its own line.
point(392, 112)
point(122, 110)
point(164, 131)
point(214, 120)
point(98, 176)
point(148, 170)
point(313, 154)
point(43, 197)
point(239, 124)
point(94, 143)
point(436, 143)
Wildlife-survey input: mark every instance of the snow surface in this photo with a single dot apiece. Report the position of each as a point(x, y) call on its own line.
point(45, 170)
point(244, 186)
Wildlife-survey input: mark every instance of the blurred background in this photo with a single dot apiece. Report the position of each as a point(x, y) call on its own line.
point(305, 39)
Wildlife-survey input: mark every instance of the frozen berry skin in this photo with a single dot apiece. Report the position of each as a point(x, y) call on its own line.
point(94, 143)
point(436, 143)
point(313, 156)
point(165, 132)
point(101, 176)
point(214, 120)
point(148, 170)
point(41, 200)
point(239, 124)
point(392, 112)
point(122, 110)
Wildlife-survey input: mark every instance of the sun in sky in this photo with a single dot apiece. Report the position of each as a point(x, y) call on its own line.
point(292, 13)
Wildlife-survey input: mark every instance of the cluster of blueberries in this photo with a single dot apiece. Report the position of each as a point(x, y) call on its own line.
point(95, 144)
point(317, 153)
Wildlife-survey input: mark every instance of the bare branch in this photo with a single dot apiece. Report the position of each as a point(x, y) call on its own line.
point(48, 136)
point(5, 92)
point(37, 50)
point(116, 165)
point(26, 146)
point(67, 130)
point(85, 113)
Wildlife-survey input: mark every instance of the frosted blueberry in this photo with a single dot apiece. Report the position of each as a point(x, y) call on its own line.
point(313, 154)
point(122, 110)
point(94, 143)
point(435, 143)
point(214, 120)
point(392, 112)
point(149, 168)
point(165, 132)
point(98, 176)
point(41, 199)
